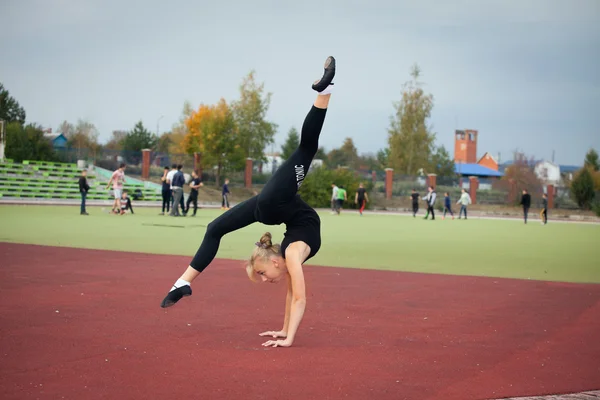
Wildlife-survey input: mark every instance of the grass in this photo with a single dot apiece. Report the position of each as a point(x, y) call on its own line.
point(499, 248)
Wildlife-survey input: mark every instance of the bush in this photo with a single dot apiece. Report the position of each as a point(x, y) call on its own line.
point(582, 188)
point(27, 143)
point(316, 188)
point(596, 207)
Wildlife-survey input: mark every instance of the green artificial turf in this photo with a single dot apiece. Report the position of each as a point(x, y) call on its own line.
point(479, 247)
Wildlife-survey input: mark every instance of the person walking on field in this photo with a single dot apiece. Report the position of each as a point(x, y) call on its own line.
point(464, 201)
point(361, 198)
point(447, 206)
point(334, 192)
point(544, 212)
point(430, 198)
point(526, 203)
point(83, 189)
point(341, 197)
point(117, 179)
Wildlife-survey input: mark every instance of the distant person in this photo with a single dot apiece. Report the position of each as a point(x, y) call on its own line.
point(83, 189)
point(464, 202)
point(170, 176)
point(225, 195)
point(361, 198)
point(447, 205)
point(166, 192)
point(177, 184)
point(526, 203)
point(414, 196)
point(341, 197)
point(334, 192)
point(430, 199)
point(126, 203)
point(117, 179)
point(195, 184)
point(544, 212)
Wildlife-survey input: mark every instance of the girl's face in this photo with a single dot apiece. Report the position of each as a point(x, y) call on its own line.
point(271, 270)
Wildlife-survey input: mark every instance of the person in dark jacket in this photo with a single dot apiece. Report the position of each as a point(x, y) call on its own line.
point(83, 189)
point(544, 212)
point(447, 206)
point(177, 185)
point(526, 203)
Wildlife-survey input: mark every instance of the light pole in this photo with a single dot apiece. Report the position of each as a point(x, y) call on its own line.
point(157, 124)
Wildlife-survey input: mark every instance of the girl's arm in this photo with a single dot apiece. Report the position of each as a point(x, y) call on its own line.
point(295, 255)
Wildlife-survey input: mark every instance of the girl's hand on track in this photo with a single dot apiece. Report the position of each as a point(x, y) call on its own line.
point(277, 343)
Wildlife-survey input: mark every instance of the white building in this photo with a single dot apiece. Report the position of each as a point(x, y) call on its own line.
point(547, 172)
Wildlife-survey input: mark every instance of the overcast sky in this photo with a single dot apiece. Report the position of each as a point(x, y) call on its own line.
point(526, 73)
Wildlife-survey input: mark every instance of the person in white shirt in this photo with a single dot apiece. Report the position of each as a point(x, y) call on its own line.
point(334, 192)
point(170, 175)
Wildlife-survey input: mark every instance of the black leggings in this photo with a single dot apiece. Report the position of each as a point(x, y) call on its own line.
point(166, 198)
point(279, 191)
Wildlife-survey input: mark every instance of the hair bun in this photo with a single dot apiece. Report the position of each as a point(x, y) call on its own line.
point(265, 240)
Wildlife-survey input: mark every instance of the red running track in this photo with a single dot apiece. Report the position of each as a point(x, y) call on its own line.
point(86, 324)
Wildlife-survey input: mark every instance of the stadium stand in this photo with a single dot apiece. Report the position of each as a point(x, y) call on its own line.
point(51, 180)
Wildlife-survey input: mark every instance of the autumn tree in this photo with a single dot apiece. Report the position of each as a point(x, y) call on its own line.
point(212, 131)
point(250, 111)
point(10, 109)
point(115, 142)
point(409, 137)
point(82, 136)
point(291, 144)
point(180, 130)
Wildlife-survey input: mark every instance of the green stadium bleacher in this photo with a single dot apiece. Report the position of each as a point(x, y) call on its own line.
point(51, 180)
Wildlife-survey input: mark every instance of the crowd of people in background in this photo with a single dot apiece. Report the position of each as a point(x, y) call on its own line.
point(173, 183)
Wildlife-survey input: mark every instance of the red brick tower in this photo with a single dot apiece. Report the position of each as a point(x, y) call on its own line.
point(465, 146)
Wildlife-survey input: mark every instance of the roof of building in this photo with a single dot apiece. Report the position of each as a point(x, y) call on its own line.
point(475, 170)
point(486, 154)
point(54, 136)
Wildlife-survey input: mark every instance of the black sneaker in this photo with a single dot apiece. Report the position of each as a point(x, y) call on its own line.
point(328, 75)
point(175, 295)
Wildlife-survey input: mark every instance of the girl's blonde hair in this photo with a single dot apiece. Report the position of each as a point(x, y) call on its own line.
point(264, 249)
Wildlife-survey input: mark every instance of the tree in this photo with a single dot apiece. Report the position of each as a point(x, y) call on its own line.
point(250, 111)
point(591, 160)
point(291, 144)
point(83, 137)
point(27, 143)
point(139, 138)
point(116, 140)
point(409, 138)
point(383, 157)
point(441, 163)
point(321, 154)
point(164, 142)
point(179, 130)
point(520, 173)
point(582, 188)
point(345, 156)
point(10, 109)
point(211, 130)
